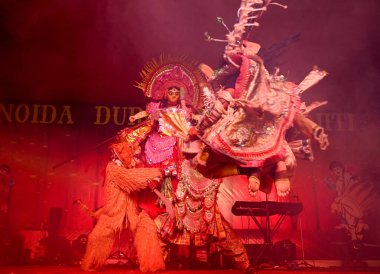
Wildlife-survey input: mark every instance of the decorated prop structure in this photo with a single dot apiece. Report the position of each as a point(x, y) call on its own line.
point(250, 122)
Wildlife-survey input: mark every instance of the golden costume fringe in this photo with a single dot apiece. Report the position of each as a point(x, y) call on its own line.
point(120, 209)
point(130, 180)
point(100, 243)
point(148, 245)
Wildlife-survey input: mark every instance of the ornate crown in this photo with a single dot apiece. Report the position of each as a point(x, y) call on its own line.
point(158, 75)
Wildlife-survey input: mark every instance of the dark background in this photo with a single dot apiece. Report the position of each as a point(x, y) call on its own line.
point(92, 51)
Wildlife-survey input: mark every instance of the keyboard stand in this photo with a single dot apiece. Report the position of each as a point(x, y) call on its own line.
point(266, 209)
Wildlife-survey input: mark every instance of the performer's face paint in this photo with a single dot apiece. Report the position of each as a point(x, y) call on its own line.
point(173, 95)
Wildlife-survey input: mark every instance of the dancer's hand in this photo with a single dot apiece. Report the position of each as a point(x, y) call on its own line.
point(153, 183)
point(168, 203)
point(132, 119)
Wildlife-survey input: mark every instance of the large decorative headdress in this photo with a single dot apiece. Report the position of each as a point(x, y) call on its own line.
point(248, 15)
point(168, 71)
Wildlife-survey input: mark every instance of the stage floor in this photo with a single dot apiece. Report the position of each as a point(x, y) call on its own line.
point(35, 269)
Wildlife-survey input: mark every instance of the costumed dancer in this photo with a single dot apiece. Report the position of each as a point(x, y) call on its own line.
point(192, 216)
point(248, 123)
point(196, 219)
point(143, 156)
point(120, 211)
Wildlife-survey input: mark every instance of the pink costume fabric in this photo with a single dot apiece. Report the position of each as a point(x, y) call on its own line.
point(261, 109)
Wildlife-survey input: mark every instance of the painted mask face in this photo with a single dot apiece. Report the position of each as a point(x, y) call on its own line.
point(173, 95)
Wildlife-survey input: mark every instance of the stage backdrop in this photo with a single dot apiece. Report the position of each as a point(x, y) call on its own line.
point(67, 76)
